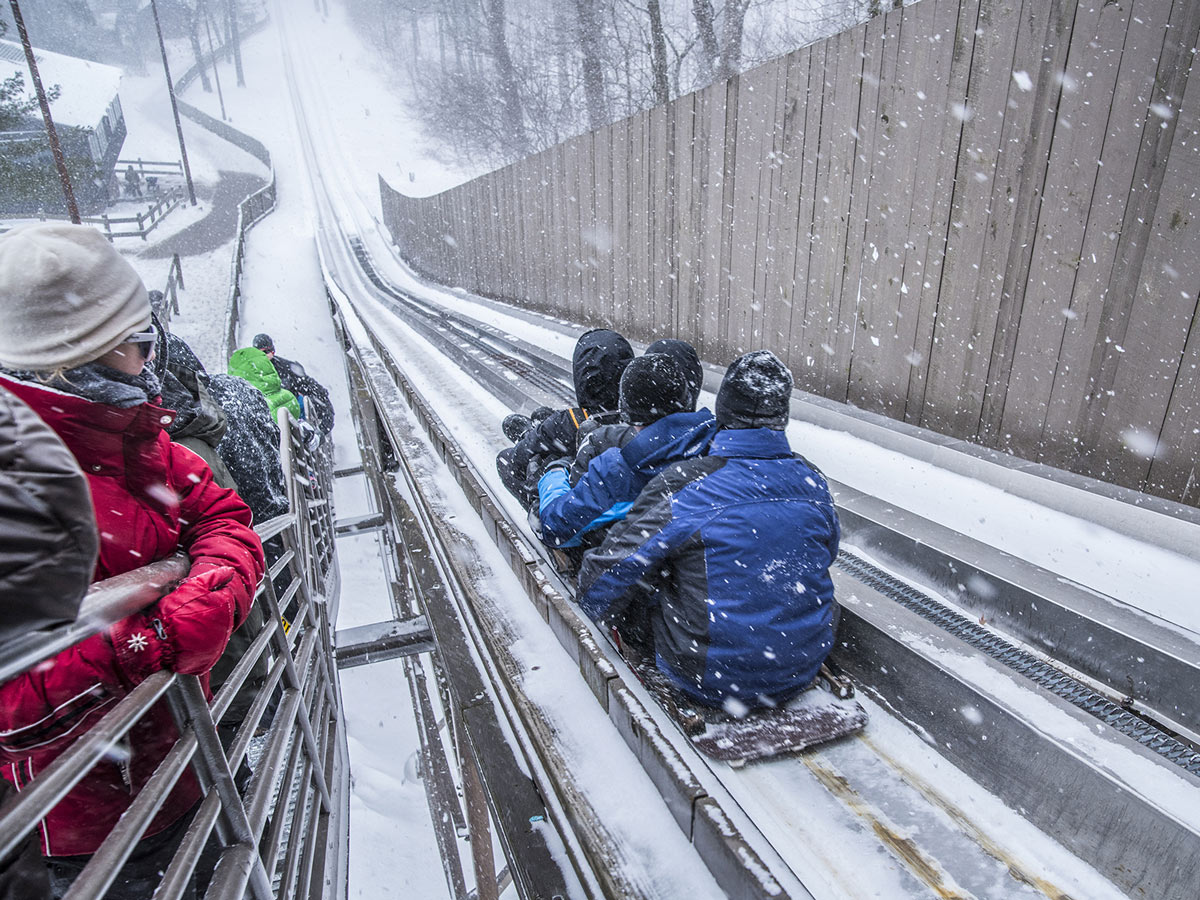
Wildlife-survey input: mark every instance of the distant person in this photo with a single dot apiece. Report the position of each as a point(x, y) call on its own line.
point(318, 409)
point(76, 339)
point(599, 358)
point(133, 182)
point(721, 568)
point(247, 444)
point(253, 365)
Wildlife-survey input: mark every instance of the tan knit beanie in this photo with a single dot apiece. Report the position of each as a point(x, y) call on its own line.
point(66, 297)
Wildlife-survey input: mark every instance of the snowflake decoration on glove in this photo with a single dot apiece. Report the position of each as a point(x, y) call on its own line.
point(137, 642)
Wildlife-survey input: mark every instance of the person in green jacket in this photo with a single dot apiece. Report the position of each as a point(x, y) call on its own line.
point(253, 365)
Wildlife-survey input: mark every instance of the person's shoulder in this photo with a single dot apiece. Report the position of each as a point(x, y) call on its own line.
point(678, 475)
point(601, 438)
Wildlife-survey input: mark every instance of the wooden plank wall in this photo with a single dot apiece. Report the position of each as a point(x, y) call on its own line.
point(978, 216)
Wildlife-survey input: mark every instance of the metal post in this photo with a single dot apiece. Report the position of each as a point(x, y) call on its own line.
point(212, 49)
point(187, 170)
point(55, 148)
point(189, 708)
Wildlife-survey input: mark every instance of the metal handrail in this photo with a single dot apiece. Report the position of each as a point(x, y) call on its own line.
point(294, 810)
point(107, 602)
point(250, 211)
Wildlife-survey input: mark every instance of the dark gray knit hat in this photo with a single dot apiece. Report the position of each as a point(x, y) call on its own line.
point(755, 392)
point(653, 386)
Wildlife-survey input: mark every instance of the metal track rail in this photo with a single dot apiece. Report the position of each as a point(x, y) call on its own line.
point(486, 353)
point(1146, 733)
point(639, 726)
point(1143, 728)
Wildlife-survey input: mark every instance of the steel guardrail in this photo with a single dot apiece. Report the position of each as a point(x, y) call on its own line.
point(285, 831)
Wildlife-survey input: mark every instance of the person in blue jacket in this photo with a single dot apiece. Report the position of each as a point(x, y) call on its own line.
point(727, 555)
point(658, 426)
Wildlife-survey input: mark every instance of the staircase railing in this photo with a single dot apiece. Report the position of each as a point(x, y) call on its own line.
point(282, 833)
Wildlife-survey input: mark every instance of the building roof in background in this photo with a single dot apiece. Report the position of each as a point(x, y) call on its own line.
point(87, 87)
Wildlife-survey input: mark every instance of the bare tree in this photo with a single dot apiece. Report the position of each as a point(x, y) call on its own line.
point(514, 121)
point(194, 39)
point(733, 21)
point(702, 12)
point(589, 38)
point(235, 41)
point(658, 53)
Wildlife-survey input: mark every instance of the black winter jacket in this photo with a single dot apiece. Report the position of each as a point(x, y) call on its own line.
point(248, 444)
point(200, 422)
point(318, 408)
point(250, 447)
point(48, 540)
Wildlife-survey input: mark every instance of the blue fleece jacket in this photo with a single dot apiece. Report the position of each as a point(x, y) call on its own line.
point(614, 478)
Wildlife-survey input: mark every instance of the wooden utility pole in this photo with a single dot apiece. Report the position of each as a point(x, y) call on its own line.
point(55, 148)
point(162, 46)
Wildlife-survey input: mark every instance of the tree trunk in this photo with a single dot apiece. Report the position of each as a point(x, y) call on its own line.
point(236, 42)
point(658, 54)
point(510, 96)
point(731, 38)
point(588, 34)
point(194, 38)
point(702, 12)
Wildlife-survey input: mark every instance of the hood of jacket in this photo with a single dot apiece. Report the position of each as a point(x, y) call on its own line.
point(750, 443)
point(674, 437)
point(124, 453)
point(253, 365)
point(99, 435)
point(600, 357)
point(197, 414)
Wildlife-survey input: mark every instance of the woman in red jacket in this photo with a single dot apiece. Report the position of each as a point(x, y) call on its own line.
point(77, 334)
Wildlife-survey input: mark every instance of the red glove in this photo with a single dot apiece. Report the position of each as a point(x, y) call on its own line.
point(186, 632)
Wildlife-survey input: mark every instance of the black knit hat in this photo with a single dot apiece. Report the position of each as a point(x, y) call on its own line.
point(264, 343)
point(689, 361)
point(755, 392)
point(653, 386)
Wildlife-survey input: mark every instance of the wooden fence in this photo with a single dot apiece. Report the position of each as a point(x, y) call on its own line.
point(978, 216)
point(146, 221)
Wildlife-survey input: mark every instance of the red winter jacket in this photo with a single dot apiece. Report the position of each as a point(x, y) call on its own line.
point(151, 498)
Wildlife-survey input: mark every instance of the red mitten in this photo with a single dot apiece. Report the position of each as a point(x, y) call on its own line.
point(185, 632)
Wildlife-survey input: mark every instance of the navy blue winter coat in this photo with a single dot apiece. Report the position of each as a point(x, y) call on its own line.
point(732, 551)
point(613, 480)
